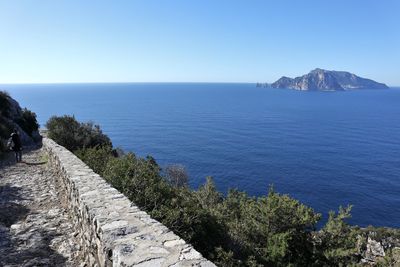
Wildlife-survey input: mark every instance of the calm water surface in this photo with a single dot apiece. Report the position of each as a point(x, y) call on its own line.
point(325, 149)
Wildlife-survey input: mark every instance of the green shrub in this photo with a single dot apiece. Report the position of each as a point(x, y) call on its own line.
point(71, 134)
point(5, 128)
point(4, 104)
point(3, 147)
point(275, 230)
point(338, 240)
point(382, 232)
point(208, 196)
point(96, 157)
point(5, 131)
point(139, 180)
point(184, 214)
point(28, 121)
point(392, 258)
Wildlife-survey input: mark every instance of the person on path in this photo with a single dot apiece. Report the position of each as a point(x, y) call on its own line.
point(17, 145)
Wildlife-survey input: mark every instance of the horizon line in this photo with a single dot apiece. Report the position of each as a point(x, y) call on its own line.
point(180, 82)
point(54, 83)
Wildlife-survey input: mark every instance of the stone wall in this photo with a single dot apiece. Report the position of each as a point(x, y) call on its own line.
point(112, 230)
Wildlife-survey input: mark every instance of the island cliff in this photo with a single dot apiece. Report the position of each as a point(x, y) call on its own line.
point(326, 80)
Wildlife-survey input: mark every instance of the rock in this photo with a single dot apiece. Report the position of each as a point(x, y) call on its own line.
point(374, 249)
point(172, 243)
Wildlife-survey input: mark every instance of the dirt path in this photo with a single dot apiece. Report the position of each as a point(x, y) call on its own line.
point(34, 228)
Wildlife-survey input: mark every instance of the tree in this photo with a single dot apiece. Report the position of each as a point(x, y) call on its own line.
point(338, 240)
point(177, 175)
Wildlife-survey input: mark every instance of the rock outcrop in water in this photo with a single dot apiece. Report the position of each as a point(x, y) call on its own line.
point(326, 80)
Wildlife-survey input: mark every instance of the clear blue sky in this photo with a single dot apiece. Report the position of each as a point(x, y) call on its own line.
point(196, 41)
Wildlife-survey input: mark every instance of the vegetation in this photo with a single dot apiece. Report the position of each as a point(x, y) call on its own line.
point(73, 135)
point(5, 128)
point(337, 240)
point(26, 120)
point(176, 175)
point(231, 230)
point(4, 104)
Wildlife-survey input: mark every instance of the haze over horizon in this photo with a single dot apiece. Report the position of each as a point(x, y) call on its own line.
point(208, 41)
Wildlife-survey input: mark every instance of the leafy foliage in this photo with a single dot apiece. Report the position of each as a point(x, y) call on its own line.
point(28, 121)
point(5, 132)
point(274, 230)
point(96, 157)
point(4, 104)
point(338, 240)
point(71, 134)
point(391, 259)
point(5, 128)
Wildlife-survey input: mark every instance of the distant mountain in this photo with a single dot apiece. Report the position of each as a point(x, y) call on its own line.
point(327, 80)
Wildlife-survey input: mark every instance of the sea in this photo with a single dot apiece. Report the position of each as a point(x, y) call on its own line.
point(326, 149)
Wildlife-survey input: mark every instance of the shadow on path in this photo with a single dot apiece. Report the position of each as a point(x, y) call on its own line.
point(35, 252)
point(34, 163)
point(10, 210)
point(24, 241)
point(8, 159)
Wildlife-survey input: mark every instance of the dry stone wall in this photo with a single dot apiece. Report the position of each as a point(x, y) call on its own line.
point(112, 230)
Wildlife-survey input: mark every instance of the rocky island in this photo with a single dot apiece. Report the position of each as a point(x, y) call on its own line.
point(327, 80)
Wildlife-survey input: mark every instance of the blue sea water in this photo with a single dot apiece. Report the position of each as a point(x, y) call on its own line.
point(325, 149)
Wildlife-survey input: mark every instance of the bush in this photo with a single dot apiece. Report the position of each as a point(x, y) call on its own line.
point(3, 147)
point(208, 196)
point(338, 240)
point(28, 121)
point(96, 157)
point(391, 259)
point(71, 134)
point(176, 175)
point(274, 230)
point(5, 128)
point(4, 104)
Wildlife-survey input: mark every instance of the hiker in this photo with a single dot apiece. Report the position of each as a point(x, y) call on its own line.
point(16, 145)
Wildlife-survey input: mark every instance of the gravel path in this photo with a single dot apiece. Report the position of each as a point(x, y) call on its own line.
point(34, 227)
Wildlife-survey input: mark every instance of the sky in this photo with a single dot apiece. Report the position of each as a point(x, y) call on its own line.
point(50, 41)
